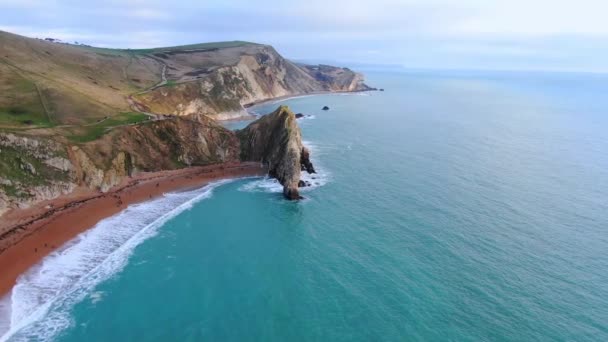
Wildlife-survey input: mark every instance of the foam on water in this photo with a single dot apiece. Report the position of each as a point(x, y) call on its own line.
point(40, 302)
point(315, 180)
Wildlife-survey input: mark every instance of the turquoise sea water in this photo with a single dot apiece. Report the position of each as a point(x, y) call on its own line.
point(451, 207)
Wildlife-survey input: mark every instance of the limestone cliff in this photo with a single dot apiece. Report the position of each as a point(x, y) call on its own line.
point(253, 73)
point(34, 169)
point(275, 139)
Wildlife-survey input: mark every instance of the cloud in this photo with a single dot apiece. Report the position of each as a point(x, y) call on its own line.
point(418, 33)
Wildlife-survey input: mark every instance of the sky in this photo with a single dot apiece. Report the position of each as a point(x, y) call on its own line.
point(564, 35)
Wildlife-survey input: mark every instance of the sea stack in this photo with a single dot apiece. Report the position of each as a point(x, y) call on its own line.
point(275, 140)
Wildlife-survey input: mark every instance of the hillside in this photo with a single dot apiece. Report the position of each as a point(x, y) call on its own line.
point(46, 84)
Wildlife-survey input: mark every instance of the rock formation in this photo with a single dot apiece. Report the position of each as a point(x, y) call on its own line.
point(34, 169)
point(248, 74)
point(275, 140)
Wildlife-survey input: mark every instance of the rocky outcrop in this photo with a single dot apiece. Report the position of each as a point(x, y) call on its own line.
point(275, 140)
point(257, 73)
point(32, 170)
point(155, 146)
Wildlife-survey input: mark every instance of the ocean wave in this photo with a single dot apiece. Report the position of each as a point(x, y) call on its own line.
point(41, 300)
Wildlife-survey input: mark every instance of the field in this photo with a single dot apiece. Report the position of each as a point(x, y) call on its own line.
point(20, 104)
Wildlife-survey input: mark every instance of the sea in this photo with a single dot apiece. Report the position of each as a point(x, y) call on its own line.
point(452, 206)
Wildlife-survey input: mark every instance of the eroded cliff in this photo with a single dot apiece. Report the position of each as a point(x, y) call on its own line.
point(249, 74)
point(276, 140)
point(34, 169)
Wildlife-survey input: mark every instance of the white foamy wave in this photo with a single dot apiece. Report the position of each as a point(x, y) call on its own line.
point(41, 300)
point(265, 184)
point(315, 180)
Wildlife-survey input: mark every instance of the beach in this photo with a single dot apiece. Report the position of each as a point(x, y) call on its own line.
point(28, 235)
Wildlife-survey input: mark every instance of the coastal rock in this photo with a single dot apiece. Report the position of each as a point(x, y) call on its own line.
point(325, 108)
point(169, 144)
point(299, 116)
point(37, 169)
point(303, 184)
point(305, 162)
point(275, 140)
point(29, 171)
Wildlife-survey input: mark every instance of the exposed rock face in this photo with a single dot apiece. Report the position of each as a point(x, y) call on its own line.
point(275, 139)
point(32, 170)
point(257, 73)
point(35, 169)
point(167, 144)
point(305, 161)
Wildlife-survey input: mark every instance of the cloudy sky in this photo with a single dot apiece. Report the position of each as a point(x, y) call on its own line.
point(564, 35)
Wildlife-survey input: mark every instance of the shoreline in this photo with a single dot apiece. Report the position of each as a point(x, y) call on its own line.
point(29, 235)
point(254, 104)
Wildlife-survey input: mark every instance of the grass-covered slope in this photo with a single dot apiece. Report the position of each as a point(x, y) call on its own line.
point(48, 84)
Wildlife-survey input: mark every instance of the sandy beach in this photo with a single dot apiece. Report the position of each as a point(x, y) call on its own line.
point(28, 235)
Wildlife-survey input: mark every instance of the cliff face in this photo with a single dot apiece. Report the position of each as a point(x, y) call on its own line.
point(45, 84)
point(31, 170)
point(255, 73)
point(34, 169)
point(275, 139)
